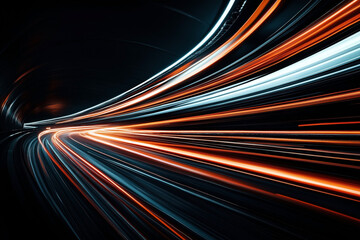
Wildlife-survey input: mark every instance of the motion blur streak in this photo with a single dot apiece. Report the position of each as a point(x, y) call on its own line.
point(254, 135)
point(299, 42)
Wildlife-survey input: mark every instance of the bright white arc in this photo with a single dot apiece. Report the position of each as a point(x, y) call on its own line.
point(199, 45)
point(339, 54)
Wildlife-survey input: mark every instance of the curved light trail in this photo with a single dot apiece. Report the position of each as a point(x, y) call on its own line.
point(232, 140)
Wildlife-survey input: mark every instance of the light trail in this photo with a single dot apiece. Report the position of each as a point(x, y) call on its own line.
point(211, 137)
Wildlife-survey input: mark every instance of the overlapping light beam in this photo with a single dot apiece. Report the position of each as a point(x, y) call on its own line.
point(345, 16)
point(153, 163)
